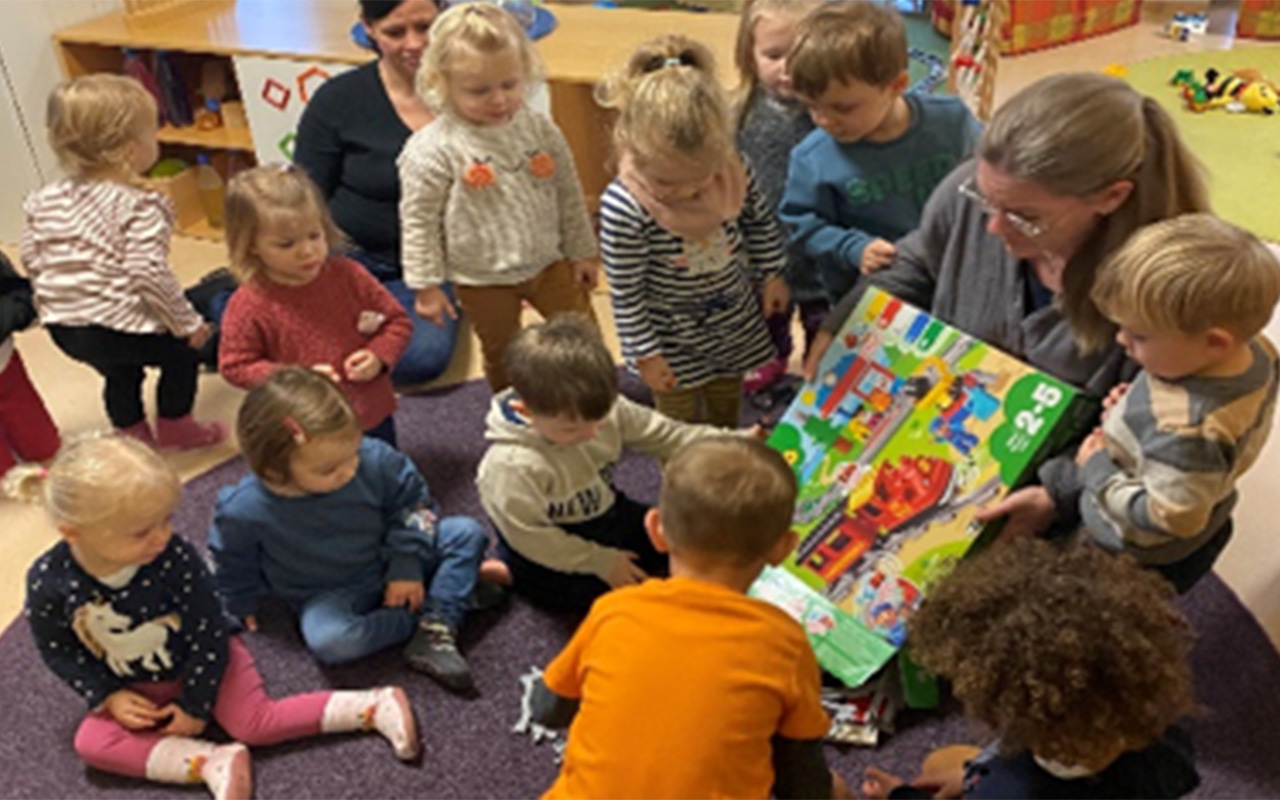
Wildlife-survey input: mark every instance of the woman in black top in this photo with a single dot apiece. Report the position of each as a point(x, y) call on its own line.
point(348, 140)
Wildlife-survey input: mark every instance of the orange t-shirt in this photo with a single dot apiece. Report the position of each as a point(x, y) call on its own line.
point(682, 685)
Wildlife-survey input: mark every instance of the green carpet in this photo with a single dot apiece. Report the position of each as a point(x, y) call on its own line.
point(1241, 151)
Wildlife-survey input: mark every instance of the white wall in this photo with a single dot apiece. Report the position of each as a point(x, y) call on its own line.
point(28, 72)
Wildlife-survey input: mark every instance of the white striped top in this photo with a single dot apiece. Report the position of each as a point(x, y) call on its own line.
point(97, 253)
point(694, 303)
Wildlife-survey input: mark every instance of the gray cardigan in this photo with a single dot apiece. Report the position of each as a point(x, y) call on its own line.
point(963, 275)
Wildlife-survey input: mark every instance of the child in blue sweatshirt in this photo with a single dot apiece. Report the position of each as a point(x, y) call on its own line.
point(860, 181)
point(341, 526)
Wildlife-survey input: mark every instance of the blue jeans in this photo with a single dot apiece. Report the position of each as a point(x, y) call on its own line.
point(431, 346)
point(350, 623)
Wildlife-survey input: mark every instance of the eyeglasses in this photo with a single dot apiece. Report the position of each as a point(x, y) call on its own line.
point(1023, 225)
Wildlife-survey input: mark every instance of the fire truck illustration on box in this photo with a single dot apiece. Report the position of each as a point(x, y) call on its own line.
point(909, 427)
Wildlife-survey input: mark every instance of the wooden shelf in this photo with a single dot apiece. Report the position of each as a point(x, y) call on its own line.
point(222, 138)
point(201, 229)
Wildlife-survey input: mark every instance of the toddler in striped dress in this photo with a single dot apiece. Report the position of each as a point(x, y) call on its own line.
point(692, 250)
point(96, 246)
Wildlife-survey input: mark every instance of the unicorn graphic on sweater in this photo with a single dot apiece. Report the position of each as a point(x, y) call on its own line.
point(112, 637)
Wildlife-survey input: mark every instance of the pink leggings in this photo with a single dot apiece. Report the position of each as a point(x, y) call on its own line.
point(243, 710)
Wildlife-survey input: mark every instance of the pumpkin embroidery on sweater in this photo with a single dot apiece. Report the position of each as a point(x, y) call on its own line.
point(541, 164)
point(480, 174)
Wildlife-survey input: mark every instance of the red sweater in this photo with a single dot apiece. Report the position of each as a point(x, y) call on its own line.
point(268, 325)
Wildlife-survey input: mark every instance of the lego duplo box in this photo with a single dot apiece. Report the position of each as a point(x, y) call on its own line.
point(909, 427)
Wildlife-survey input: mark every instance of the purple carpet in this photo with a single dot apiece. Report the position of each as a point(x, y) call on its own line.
point(469, 751)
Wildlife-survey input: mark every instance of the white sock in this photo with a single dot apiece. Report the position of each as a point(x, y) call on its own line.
point(385, 709)
point(225, 769)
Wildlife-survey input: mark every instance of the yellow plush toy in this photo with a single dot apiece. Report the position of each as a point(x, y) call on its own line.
point(1258, 98)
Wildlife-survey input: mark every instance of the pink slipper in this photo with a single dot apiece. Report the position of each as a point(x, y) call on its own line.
point(185, 433)
point(760, 379)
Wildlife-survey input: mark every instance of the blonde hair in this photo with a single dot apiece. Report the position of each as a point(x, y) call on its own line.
point(93, 123)
point(291, 408)
point(729, 496)
point(482, 28)
point(669, 103)
point(847, 40)
point(259, 196)
point(1075, 135)
point(1189, 274)
point(744, 49)
point(97, 481)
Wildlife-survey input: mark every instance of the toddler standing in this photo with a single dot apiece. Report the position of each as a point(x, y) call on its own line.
point(343, 528)
point(26, 429)
point(771, 122)
point(860, 182)
point(96, 245)
point(301, 303)
point(1191, 296)
point(691, 247)
point(125, 614)
point(490, 197)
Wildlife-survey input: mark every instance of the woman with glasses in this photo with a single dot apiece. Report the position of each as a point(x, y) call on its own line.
point(348, 140)
point(1009, 243)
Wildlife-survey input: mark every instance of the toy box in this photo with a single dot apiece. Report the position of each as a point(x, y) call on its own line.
point(1030, 26)
point(910, 426)
point(1259, 19)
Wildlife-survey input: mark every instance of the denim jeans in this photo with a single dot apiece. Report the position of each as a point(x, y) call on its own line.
point(431, 346)
point(349, 623)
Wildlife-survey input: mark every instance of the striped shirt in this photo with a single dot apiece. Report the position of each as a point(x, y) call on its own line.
point(489, 205)
point(1166, 482)
point(694, 303)
point(98, 254)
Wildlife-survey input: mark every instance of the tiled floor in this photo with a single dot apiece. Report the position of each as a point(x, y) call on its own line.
point(1251, 565)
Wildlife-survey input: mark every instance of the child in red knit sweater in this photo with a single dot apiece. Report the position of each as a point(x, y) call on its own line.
point(300, 303)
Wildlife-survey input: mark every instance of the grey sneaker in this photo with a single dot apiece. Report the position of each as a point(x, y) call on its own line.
point(433, 651)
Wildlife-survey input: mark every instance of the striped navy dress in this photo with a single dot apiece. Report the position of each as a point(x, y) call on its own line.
point(694, 303)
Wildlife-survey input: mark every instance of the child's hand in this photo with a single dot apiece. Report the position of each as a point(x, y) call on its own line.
point(877, 783)
point(362, 366)
point(250, 623)
point(774, 297)
point(625, 571)
point(1029, 510)
point(817, 350)
point(877, 255)
point(1092, 443)
point(758, 431)
point(433, 304)
point(656, 373)
point(404, 594)
point(131, 710)
point(182, 723)
point(198, 339)
point(328, 371)
point(1113, 397)
point(586, 273)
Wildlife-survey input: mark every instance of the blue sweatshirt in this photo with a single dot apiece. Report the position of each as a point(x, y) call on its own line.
point(297, 547)
point(841, 197)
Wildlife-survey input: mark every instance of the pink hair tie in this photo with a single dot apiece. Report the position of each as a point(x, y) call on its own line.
point(299, 435)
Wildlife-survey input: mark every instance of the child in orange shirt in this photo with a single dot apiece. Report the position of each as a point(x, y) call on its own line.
point(655, 668)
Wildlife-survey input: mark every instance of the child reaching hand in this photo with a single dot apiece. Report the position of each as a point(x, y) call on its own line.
point(771, 122)
point(490, 197)
point(96, 246)
point(1191, 296)
point(1077, 661)
point(692, 249)
point(125, 614)
point(687, 687)
point(343, 528)
point(302, 304)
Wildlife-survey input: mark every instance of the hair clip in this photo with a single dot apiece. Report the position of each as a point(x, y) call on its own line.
point(299, 435)
point(672, 61)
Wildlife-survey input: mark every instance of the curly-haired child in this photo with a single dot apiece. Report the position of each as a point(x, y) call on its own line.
point(1191, 296)
point(1075, 659)
point(96, 245)
point(124, 612)
point(490, 198)
point(692, 249)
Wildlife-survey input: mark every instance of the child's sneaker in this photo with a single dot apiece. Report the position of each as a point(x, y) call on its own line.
point(433, 651)
point(392, 716)
point(228, 772)
point(758, 380)
point(184, 433)
point(140, 431)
